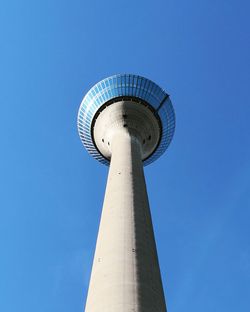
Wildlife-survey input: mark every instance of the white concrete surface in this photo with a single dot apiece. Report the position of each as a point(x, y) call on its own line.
point(125, 274)
point(138, 118)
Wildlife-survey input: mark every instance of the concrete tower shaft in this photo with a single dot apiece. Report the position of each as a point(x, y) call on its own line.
point(126, 121)
point(125, 274)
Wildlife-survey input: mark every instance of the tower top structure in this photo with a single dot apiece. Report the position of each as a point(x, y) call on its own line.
point(131, 102)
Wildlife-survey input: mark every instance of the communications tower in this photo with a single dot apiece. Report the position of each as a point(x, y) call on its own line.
point(126, 121)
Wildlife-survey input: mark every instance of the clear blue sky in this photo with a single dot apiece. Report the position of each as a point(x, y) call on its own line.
point(52, 52)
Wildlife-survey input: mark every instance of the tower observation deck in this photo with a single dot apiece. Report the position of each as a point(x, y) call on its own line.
point(126, 121)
